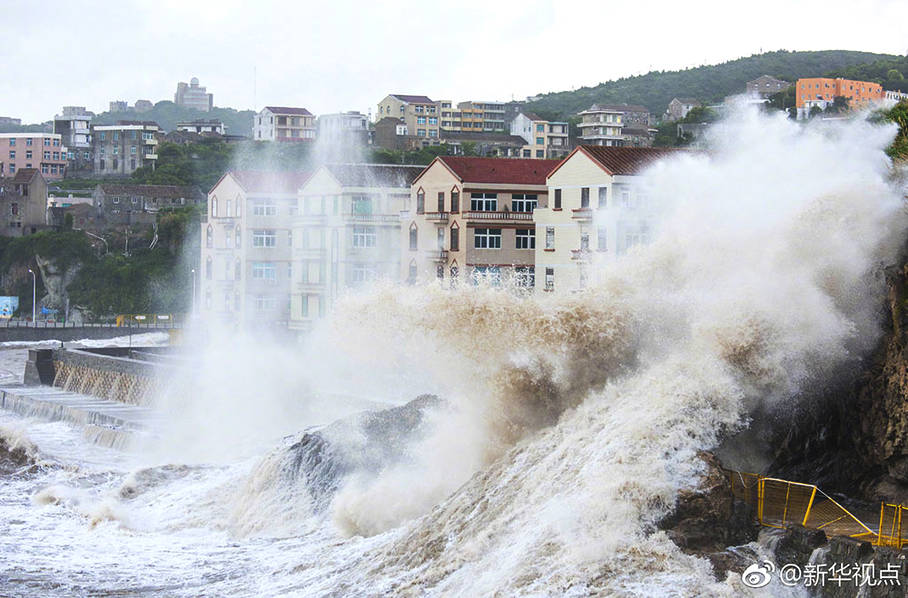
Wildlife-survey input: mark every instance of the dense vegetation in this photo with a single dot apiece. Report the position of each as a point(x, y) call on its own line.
point(706, 83)
point(167, 114)
point(891, 73)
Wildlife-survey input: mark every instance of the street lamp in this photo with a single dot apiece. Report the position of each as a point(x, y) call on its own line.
point(34, 306)
point(192, 303)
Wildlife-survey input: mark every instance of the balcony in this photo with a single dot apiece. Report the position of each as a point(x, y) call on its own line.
point(150, 156)
point(499, 216)
point(581, 255)
point(373, 218)
point(151, 141)
point(582, 214)
point(439, 255)
point(440, 217)
point(310, 286)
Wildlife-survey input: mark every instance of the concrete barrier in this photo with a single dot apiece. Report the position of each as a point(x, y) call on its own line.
point(23, 334)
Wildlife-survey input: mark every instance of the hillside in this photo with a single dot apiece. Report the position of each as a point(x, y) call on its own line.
point(167, 114)
point(706, 83)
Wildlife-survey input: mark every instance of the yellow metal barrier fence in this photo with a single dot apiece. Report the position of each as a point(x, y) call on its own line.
point(779, 503)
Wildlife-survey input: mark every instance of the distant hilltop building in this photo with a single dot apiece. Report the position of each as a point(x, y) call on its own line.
point(143, 106)
point(118, 150)
point(615, 125)
point(765, 86)
point(192, 95)
point(282, 123)
point(821, 92)
point(6, 121)
point(118, 106)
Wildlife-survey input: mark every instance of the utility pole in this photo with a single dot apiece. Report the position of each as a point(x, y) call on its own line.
point(34, 306)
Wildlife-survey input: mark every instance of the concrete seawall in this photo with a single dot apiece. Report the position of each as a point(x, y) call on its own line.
point(23, 334)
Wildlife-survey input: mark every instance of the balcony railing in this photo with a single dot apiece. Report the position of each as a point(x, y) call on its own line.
point(498, 216)
point(436, 216)
point(582, 214)
point(581, 255)
point(380, 218)
point(150, 156)
point(438, 255)
point(307, 285)
point(151, 141)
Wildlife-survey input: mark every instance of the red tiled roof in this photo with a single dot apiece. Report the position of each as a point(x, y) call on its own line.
point(286, 110)
point(532, 116)
point(264, 181)
point(627, 160)
point(499, 170)
point(413, 99)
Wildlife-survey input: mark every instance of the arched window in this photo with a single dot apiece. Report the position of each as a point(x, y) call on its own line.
point(239, 203)
point(238, 266)
point(455, 200)
point(214, 207)
point(236, 237)
point(420, 201)
point(455, 272)
point(209, 237)
point(413, 237)
point(208, 266)
point(455, 237)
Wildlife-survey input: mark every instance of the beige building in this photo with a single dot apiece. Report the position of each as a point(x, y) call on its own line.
point(472, 218)
point(246, 248)
point(597, 209)
point(283, 123)
point(419, 113)
point(544, 139)
point(615, 125)
point(346, 234)
point(473, 117)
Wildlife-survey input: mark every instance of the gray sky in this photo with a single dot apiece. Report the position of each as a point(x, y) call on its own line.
point(347, 55)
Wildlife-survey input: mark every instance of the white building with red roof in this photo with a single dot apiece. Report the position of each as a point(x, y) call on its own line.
point(282, 123)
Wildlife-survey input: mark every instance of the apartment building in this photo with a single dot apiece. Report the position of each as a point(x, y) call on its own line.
point(474, 117)
point(615, 125)
point(203, 127)
point(597, 208)
point(44, 152)
point(344, 129)
point(346, 234)
point(765, 86)
point(419, 113)
point(23, 203)
point(283, 123)
point(246, 250)
point(472, 219)
point(822, 91)
point(192, 95)
point(118, 150)
point(679, 107)
point(544, 139)
point(74, 127)
point(131, 205)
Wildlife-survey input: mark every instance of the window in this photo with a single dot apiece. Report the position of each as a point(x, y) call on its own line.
point(264, 271)
point(584, 241)
point(455, 200)
point(28, 154)
point(441, 201)
point(525, 276)
point(362, 204)
point(601, 239)
point(484, 202)
point(487, 238)
point(540, 153)
point(209, 234)
point(12, 155)
point(264, 238)
point(214, 207)
point(584, 197)
point(363, 236)
point(440, 272)
point(237, 237)
point(208, 268)
point(540, 141)
point(420, 201)
point(526, 238)
point(265, 303)
point(523, 202)
point(603, 197)
point(440, 238)
point(549, 279)
point(238, 270)
point(14, 209)
point(420, 120)
point(557, 199)
point(413, 237)
point(550, 237)
point(488, 274)
point(363, 273)
point(228, 238)
point(420, 132)
point(12, 142)
point(47, 141)
point(526, 153)
point(455, 237)
point(261, 207)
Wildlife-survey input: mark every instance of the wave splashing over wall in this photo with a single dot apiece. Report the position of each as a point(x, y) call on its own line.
point(574, 420)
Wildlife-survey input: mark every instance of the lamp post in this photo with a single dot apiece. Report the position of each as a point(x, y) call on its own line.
point(192, 303)
point(34, 306)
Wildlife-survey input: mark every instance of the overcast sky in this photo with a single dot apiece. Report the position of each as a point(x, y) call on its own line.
point(346, 55)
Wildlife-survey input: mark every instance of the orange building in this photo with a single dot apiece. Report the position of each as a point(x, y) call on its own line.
point(823, 89)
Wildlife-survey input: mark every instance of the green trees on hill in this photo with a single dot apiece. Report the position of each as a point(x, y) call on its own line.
point(167, 114)
point(708, 83)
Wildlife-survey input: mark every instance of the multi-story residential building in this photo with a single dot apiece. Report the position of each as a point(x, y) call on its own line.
point(596, 208)
point(203, 127)
point(473, 217)
point(283, 123)
point(544, 139)
point(615, 125)
point(896, 96)
point(419, 113)
point(392, 133)
point(133, 205)
point(765, 86)
point(822, 91)
point(118, 106)
point(74, 126)
point(344, 128)
point(9, 121)
point(45, 152)
point(23, 203)
point(192, 95)
point(247, 247)
point(346, 234)
point(474, 117)
point(118, 150)
point(679, 107)
point(498, 145)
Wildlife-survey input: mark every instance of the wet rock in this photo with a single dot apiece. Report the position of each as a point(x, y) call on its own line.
point(852, 554)
point(708, 519)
